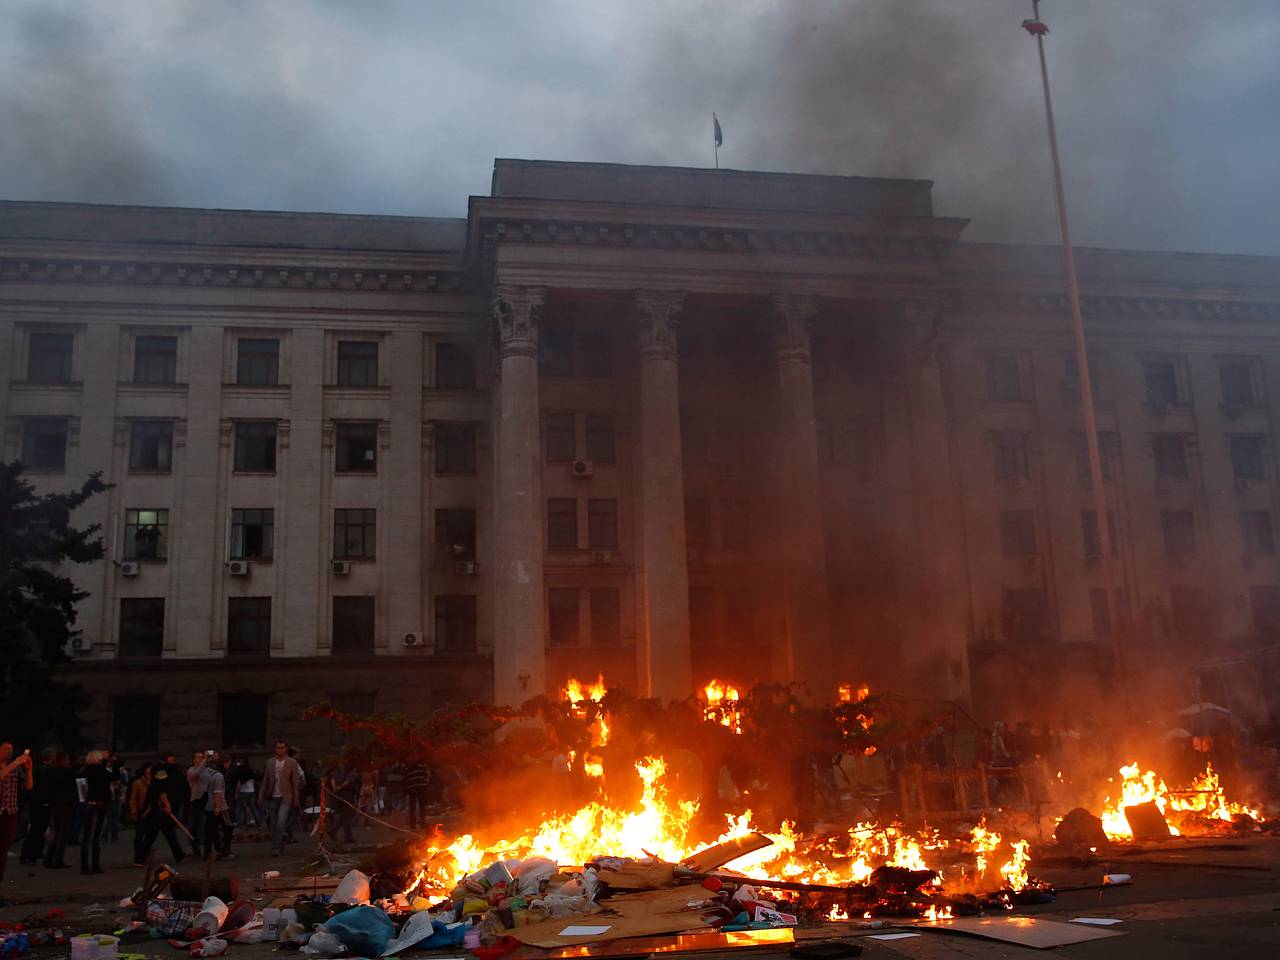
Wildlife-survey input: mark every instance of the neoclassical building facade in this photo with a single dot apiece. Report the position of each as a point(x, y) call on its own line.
point(660, 424)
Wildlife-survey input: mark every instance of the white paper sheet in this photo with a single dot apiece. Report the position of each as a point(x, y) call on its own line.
point(584, 931)
point(1096, 921)
point(892, 936)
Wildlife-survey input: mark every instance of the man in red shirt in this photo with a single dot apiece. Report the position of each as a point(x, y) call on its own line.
point(15, 774)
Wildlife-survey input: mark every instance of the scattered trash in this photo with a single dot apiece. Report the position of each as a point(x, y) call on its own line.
point(354, 888)
point(364, 931)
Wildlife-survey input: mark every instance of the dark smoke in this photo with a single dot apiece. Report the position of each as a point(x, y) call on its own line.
point(391, 106)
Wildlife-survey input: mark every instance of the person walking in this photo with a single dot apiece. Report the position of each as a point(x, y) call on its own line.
point(15, 775)
point(217, 816)
point(416, 779)
point(119, 794)
point(197, 783)
point(245, 792)
point(280, 793)
point(158, 817)
point(344, 784)
point(97, 802)
point(137, 804)
point(38, 807)
point(63, 796)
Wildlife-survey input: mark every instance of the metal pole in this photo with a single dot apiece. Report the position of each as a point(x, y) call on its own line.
point(1082, 366)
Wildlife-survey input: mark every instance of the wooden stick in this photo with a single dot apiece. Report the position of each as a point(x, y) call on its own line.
point(182, 827)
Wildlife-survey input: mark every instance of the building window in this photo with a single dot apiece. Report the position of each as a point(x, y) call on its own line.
point(150, 446)
point(1010, 450)
point(1097, 379)
point(456, 624)
point(1192, 615)
point(1108, 455)
point(244, 719)
point(1161, 377)
point(602, 524)
point(562, 616)
point(562, 523)
point(357, 363)
point(155, 359)
point(697, 523)
point(555, 353)
point(257, 362)
point(146, 534)
point(1237, 384)
point(455, 445)
point(600, 445)
point(456, 533)
point(597, 355)
point(357, 447)
point(560, 443)
point(1004, 378)
point(1100, 615)
point(255, 446)
point(49, 357)
point(1170, 453)
point(353, 626)
point(455, 365)
point(841, 443)
point(141, 626)
point(44, 444)
point(1089, 530)
point(135, 724)
point(606, 617)
point(354, 532)
point(1024, 617)
point(252, 534)
point(1265, 605)
point(1018, 533)
point(1179, 532)
point(248, 626)
point(1257, 533)
point(735, 523)
point(1246, 458)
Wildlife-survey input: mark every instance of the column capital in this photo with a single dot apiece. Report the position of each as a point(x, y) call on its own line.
point(793, 315)
point(517, 315)
point(657, 313)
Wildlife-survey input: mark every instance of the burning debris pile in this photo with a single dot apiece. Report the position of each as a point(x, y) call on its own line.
point(1199, 809)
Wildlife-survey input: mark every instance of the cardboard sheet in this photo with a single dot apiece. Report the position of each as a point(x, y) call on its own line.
point(717, 855)
point(640, 876)
point(650, 903)
point(550, 933)
point(1024, 931)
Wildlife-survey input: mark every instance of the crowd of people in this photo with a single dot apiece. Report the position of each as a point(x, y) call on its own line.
point(59, 801)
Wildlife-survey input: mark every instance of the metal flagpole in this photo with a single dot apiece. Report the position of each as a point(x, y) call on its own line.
point(1038, 29)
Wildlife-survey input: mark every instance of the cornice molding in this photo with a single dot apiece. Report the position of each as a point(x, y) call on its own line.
point(185, 274)
point(1117, 307)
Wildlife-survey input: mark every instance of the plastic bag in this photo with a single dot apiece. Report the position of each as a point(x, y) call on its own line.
point(532, 873)
point(354, 888)
point(322, 943)
point(364, 931)
point(209, 947)
point(558, 907)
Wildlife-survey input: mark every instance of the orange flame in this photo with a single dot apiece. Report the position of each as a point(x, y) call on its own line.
point(723, 705)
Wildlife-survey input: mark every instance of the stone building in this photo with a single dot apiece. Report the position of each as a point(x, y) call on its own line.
point(662, 424)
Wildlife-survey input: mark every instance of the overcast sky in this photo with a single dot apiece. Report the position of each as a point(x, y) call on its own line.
point(1168, 110)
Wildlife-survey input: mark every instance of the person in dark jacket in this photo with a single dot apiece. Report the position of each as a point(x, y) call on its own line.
point(158, 815)
point(97, 807)
point(63, 797)
point(38, 824)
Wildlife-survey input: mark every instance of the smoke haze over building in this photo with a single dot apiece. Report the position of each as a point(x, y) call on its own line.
point(397, 107)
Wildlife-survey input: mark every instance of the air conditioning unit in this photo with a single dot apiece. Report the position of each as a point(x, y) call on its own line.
point(602, 556)
point(464, 568)
point(81, 644)
point(238, 568)
point(1242, 486)
point(412, 640)
point(130, 568)
point(341, 568)
point(583, 468)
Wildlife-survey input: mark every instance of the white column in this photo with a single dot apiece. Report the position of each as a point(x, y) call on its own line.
point(806, 654)
point(519, 644)
point(665, 663)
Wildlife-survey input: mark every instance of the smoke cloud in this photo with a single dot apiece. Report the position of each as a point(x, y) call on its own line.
point(392, 106)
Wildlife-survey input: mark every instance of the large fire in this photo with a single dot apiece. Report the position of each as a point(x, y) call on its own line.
point(1199, 808)
point(723, 705)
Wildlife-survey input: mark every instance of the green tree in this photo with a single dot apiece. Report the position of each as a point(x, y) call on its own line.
point(38, 606)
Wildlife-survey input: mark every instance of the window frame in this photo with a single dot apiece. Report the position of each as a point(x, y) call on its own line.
point(1172, 533)
point(267, 359)
point(32, 439)
point(237, 541)
point(461, 437)
point(1258, 539)
point(354, 607)
point(557, 352)
point(343, 431)
point(1256, 447)
point(145, 612)
point(596, 428)
point(561, 601)
point(1170, 450)
point(133, 521)
point(353, 357)
point(151, 364)
point(996, 380)
point(455, 622)
point(1018, 540)
point(162, 429)
point(62, 359)
point(602, 523)
point(247, 435)
point(559, 428)
point(248, 612)
point(562, 520)
point(366, 522)
point(450, 519)
point(454, 365)
point(610, 602)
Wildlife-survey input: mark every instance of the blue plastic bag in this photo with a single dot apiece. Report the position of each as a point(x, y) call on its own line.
point(364, 931)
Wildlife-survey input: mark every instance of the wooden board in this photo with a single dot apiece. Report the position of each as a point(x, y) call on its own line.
point(717, 855)
point(1024, 931)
